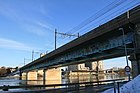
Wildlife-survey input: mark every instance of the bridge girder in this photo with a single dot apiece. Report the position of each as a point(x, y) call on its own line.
point(103, 42)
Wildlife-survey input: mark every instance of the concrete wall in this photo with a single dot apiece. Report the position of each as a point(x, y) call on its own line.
point(23, 76)
point(32, 75)
point(53, 74)
point(135, 57)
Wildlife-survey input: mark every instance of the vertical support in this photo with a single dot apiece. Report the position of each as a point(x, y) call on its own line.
point(135, 57)
point(97, 71)
point(78, 76)
point(32, 55)
point(135, 64)
point(78, 35)
point(24, 61)
point(55, 38)
point(114, 87)
point(26, 76)
point(20, 75)
point(26, 81)
point(118, 86)
point(44, 76)
point(37, 74)
point(90, 76)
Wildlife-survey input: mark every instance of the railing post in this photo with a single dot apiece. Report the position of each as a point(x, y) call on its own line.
point(114, 87)
point(66, 88)
point(54, 89)
point(118, 86)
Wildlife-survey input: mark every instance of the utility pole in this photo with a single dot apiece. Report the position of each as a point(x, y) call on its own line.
point(33, 54)
point(55, 39)
point(26, 60)
point(64, 34)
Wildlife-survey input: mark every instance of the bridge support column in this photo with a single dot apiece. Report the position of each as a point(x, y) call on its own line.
point(23, 76)
point(26, 76)
point(32, 75)
point(52, 76)
point(20, 75)
point(135, 57)
point(44, 76)
point(135, 61)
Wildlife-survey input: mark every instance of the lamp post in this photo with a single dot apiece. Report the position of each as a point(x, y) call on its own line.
point(125, 49)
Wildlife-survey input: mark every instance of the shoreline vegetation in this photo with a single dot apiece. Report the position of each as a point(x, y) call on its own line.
point(5, 71)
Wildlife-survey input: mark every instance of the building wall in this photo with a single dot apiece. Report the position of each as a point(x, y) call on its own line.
point(72, 67)
point(87, 66)
point(93, 65)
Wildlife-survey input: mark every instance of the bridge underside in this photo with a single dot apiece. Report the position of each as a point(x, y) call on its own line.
point(92, 51)
point(104, 42)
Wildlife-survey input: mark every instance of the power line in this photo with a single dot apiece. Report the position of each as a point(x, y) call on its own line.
point(100, 13)
point(105, 18)
point(97, 15)
point(128, 8)
point(64, 34)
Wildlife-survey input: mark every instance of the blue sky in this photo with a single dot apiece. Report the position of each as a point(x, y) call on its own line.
point(27, 25)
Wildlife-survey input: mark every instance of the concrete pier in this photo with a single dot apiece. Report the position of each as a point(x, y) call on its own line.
point(32, 75)
point(135, 57)
point(49, 76)
point(53, 74)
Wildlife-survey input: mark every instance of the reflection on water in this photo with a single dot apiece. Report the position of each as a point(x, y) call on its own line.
point(9, 81)
point(39, 81)
point(73, 79)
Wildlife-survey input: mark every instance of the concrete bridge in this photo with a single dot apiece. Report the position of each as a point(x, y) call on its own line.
point(105, 42)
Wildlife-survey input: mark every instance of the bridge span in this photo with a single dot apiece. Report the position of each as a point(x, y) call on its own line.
point(103, 42)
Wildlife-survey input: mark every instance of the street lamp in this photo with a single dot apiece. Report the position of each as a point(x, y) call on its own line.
point(125, 49)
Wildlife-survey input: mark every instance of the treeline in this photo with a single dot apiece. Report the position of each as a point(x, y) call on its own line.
point(4, 71)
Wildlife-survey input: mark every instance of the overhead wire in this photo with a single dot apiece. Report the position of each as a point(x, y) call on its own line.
point(130, 3)
point(105, 20)
point(100, 13)
point(87, 20)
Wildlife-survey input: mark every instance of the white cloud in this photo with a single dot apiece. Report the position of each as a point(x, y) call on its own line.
point(11, 44)
point(34, 29)
point(44, 25)
point(10, 11)
point(30, 19)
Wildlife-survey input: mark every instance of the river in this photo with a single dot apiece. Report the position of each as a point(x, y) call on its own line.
point(14, 81)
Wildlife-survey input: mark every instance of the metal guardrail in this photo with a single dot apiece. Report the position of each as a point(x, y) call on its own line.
point(71, 86)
